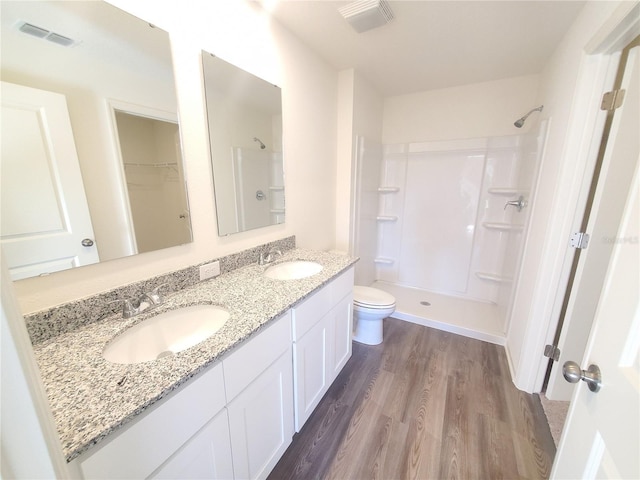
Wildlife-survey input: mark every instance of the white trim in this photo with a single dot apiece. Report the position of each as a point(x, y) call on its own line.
point(31, 445)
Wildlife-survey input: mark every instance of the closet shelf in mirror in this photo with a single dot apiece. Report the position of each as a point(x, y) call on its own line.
point(387, 218)
point(493, 277)
point(502, 226)
point(276, 189)
point(388, 189)
point(276, 210)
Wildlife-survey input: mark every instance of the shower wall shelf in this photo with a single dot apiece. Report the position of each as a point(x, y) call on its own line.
point(153, 165)
point(384, 260)
point(387, 218)
point(388, 189)
point(507, 227)
point(504, 191)
point(493, 277)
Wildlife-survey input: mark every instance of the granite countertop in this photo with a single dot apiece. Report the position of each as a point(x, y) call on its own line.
point(90, 397)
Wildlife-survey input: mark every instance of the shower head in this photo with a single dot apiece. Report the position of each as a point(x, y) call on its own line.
point(262, 145)
point(520, 122)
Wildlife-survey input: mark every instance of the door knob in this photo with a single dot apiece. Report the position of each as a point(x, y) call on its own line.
point(87, 242)
point(573, 374)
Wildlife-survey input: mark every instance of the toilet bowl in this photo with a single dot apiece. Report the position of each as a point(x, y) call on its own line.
point(370, 307)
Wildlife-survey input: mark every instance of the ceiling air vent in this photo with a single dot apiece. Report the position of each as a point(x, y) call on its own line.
point(365, 15)
point(40, 32)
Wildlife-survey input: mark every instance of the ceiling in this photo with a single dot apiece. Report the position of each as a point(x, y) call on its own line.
point(433, 44)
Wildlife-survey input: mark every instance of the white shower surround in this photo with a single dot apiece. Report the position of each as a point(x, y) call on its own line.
point(442, 231)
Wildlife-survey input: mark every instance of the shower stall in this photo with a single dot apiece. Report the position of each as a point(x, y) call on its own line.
point(440, 225)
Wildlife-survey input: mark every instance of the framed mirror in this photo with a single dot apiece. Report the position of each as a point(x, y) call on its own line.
point(244, 116)
point(91, 157)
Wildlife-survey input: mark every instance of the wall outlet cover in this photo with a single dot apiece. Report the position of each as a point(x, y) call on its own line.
point(209, 270)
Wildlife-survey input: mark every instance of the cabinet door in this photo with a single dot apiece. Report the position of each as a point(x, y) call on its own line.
point(207, 455)
point(261, 420)
point(342, 318)
point(311, 377)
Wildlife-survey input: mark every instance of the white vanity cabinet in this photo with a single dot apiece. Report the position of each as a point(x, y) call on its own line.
point(259, 385)
point(237, 418)
point(233, 421)
point(154, 437)
point(321, 328)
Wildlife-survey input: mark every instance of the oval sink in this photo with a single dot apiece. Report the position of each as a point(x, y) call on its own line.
point(166, 334)
point(293, 270)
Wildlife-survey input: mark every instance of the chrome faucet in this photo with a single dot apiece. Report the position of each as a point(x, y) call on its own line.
point(268, 257)
point(135, 306)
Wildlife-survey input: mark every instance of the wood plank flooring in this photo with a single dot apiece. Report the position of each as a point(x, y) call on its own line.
point(424, 404)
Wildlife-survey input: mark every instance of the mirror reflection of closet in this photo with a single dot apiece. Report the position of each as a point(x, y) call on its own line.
point(244, 116)
point(108, 56)
point(152, 164)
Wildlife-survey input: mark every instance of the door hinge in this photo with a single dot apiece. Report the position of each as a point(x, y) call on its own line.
point(579, 240)
point(552, 352)
point(612, 100)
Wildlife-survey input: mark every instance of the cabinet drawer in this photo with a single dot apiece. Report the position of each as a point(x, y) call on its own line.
point(252, 358)
point(146, 444)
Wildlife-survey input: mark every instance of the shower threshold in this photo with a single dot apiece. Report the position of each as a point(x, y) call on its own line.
point(468, 318)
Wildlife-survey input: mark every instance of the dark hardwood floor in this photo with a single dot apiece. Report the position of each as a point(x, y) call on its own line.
point(424, 404)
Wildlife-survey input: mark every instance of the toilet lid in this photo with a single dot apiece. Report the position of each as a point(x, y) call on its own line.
point(372, 297)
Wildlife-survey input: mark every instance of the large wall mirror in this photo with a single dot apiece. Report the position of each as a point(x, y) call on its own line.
point(91, 158)
point(245, 134)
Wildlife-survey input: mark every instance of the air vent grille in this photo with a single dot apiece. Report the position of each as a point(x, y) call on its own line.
point(45, 34)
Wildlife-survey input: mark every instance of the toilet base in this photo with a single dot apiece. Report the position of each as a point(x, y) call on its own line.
point(367, 331)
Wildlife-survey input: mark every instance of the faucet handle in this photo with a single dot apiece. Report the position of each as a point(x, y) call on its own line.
point(128, 307)
point(155, 296)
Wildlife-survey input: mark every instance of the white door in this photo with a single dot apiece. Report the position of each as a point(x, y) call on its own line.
point(618, 166)
point(601, 438)
point(45, 216)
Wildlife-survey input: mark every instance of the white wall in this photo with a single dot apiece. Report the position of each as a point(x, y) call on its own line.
point(359, 114)
point(564, 168)
point(478, 110)
point(240, 34)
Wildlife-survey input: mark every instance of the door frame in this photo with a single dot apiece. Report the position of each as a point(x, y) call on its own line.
point(600, 60)
point(113, 106)
point(598, 63)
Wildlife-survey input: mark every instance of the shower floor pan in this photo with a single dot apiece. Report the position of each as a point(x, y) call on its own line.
point(469, 318)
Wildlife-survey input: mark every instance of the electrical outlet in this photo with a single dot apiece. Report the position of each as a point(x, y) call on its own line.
point(209, 270)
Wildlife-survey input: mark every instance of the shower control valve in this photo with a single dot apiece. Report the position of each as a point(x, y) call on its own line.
point(519, 204)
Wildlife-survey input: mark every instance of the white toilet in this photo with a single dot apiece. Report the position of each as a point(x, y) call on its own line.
point(370, 307)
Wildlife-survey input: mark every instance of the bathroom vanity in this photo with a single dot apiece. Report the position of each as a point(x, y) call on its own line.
point(225, 408)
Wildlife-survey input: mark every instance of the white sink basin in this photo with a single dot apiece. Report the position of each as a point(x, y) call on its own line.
point(293, 270)
point(166, 334)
